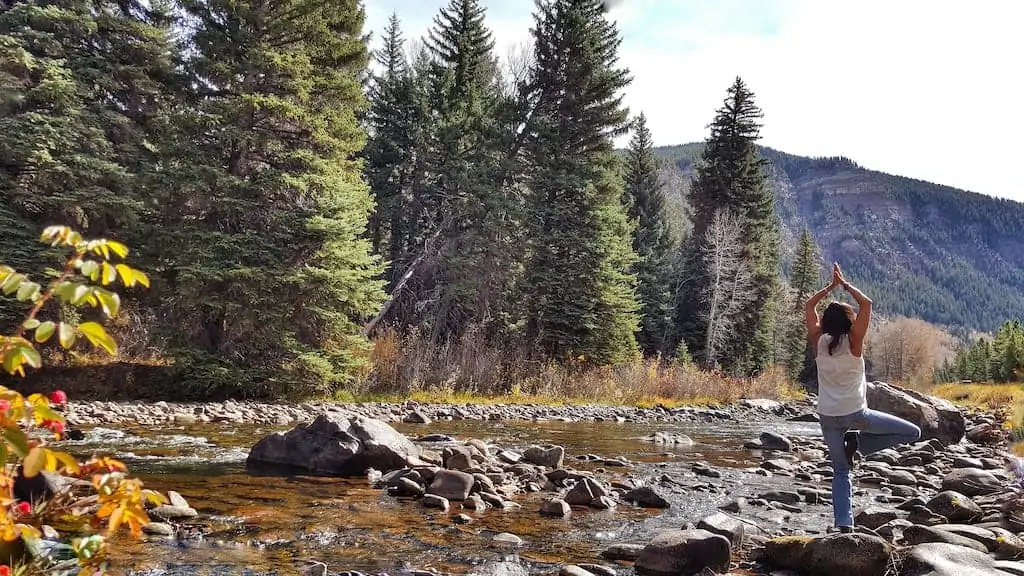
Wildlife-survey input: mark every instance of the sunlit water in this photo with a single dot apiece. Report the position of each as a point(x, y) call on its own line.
point(279, 525)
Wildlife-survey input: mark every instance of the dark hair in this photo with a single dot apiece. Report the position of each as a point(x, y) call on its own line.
point(836, 322)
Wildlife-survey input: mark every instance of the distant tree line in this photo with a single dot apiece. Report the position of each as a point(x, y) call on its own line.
point(999, 358)
point(289, 205)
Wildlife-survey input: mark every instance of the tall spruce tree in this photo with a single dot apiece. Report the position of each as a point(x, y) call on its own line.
point(578, 288)
point(396, 125)
point(264, 208)
point(459, 233)
point(732, 175)
point(805, 281)
point(652, 240)
point(81, 84)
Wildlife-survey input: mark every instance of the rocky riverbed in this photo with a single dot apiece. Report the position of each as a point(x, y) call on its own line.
point(661, 500)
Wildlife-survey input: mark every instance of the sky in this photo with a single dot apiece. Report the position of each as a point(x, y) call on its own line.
point(919, 88)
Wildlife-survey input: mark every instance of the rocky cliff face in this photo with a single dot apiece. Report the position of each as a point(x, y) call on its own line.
point(945, 255)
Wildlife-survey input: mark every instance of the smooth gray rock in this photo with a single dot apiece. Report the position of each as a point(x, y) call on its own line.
point(940, 559)
point(937, 418)
point(684, 552)
point(337, 443)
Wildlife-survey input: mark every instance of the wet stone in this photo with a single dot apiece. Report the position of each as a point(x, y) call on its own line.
point(773, 441)
point(434, 501)
point(506, 539)
point(158, 529)
point(646, 497)
point(627, 552)
point(598, 570)
point(452, 484)
point(556, 508)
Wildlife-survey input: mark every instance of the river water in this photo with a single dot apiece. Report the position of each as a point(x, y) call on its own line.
point(279, 525)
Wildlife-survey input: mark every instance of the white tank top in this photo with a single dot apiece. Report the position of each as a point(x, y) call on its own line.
point(842, 386)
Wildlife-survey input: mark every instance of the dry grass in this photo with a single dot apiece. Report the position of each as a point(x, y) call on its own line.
point(408, 366)
point(1007, 399)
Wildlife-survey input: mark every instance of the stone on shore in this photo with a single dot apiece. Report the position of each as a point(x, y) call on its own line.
point(972, 482)
point(684, 552)
point(942, 559)
point(846, 554)
point(936, 417)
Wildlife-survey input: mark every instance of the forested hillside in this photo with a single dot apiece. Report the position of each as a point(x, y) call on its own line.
point(948, 256)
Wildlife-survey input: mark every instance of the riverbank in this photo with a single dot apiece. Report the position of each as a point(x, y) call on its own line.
point(410, 411)
point(441, 376)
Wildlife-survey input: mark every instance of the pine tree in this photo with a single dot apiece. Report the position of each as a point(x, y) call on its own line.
point(264, 209)
point(82, 86)
point(392, 153)
point(579, 292)
point(732, 175)
point(805, 281)
point(460, 234)
point(652, 240)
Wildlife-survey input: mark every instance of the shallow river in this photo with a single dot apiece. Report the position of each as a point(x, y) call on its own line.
point(279, 525)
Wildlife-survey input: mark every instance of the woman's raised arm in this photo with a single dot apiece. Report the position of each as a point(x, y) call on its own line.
point(859, 330)
point(811, 318)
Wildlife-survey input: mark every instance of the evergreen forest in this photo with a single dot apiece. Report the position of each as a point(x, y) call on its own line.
point(300, 203)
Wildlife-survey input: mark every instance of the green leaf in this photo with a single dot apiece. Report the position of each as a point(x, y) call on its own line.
point(31, 324)
point(11, 284)
point(47, 413)
point(11, 361)
point(90, 268)
point(34, 462)
point(109, 301)
point(45, 331)
point(66, 335)
point(81, 293)
point(16, 437)
point(29, 354)
point(28, 291)
point(98, 336)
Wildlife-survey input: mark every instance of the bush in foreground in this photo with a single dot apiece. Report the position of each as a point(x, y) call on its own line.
point(29, 540)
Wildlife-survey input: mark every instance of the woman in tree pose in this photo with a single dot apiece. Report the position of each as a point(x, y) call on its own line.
point(849, 427)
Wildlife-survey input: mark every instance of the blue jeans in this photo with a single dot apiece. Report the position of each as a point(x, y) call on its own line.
point(878, 431)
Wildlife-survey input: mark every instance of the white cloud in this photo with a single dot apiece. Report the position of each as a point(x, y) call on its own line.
point(920, 88)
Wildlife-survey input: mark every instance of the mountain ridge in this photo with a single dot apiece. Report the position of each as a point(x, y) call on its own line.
point(949, 256)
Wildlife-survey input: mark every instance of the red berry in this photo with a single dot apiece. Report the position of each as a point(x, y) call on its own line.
point(58, 397)
point(5, 570)
point(55, 426)
point(23, 508)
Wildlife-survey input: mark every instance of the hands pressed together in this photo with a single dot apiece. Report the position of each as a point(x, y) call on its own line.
point(837, 278)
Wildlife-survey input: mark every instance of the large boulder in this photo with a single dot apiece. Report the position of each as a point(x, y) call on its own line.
point(337, 443)
point(943, 559)
point(846, 554)
point(684, 552)
point(936, 417)
point(972, 482)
